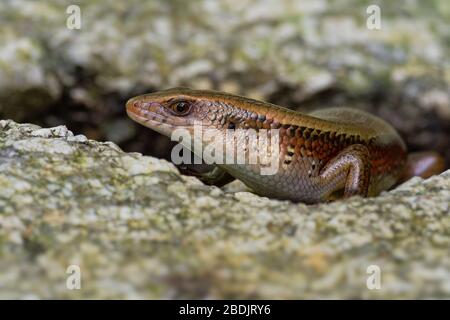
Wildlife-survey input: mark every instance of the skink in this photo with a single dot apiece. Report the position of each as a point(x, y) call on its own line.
point(324, 155)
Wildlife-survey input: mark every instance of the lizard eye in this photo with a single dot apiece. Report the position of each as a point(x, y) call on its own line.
point(181, 108)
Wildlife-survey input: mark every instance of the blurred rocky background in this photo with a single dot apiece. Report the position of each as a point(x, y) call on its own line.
point(300, 54)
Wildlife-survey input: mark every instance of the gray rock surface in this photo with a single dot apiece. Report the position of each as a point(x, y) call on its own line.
point(138, 229)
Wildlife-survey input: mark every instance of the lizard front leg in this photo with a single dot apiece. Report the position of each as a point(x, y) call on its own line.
point(213, 176)
point(348, 170)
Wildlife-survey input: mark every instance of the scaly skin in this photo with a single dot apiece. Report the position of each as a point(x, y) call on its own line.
point(324, 155)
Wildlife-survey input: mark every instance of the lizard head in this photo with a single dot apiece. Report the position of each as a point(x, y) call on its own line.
point(164, 111)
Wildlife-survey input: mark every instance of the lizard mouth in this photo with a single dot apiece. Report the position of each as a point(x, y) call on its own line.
point(145, 113)
point(153, 116)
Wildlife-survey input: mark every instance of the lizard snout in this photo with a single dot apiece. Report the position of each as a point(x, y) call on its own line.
point(133, 104)
point(136, 109)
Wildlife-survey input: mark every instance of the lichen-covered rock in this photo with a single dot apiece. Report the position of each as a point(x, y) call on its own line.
point(138, 229)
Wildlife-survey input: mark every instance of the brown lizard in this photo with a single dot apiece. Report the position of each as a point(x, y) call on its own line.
point(324, 155)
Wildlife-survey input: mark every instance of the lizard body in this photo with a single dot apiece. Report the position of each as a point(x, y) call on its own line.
point(324, 155)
